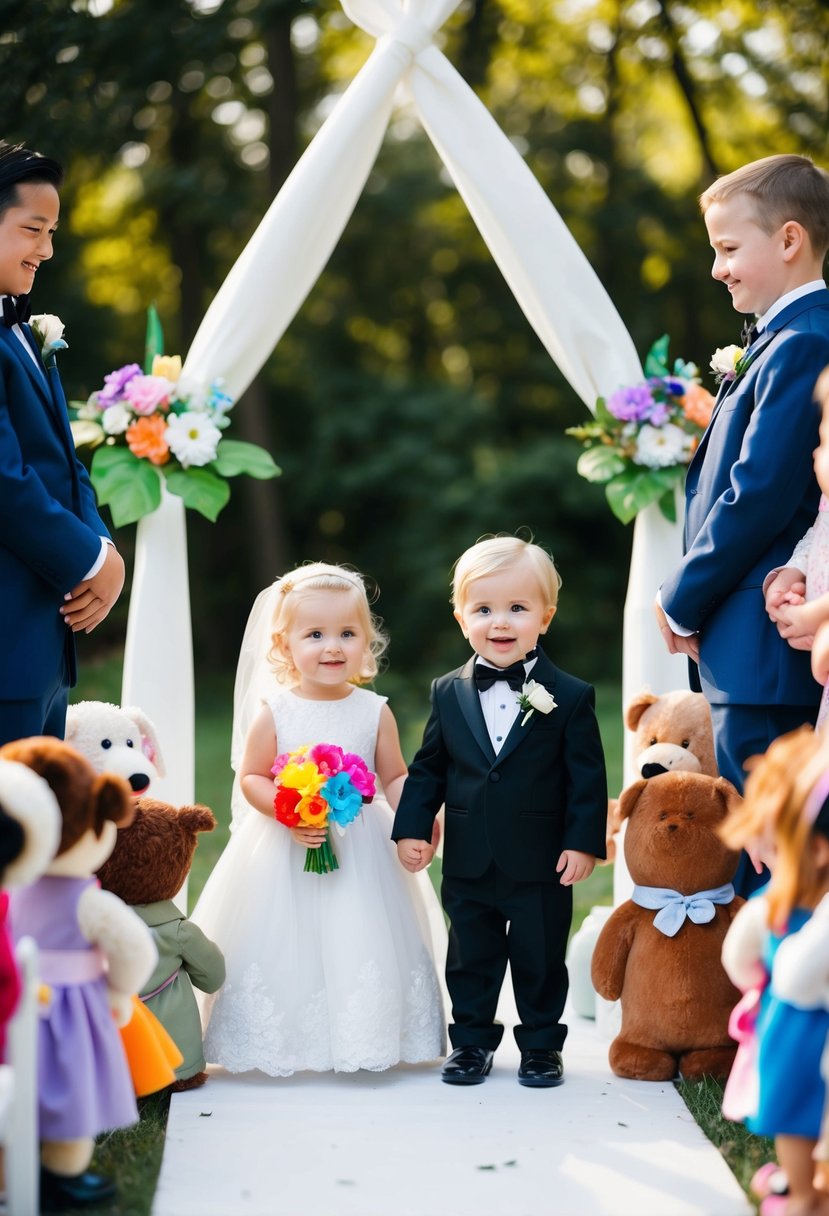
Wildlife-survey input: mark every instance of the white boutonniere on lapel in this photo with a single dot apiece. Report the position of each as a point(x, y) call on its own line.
point(729, 362)
point(48, 330)
point(535, 696)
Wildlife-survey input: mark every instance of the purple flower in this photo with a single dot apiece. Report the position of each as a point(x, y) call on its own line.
point(631, 404)
point(659, 415)
point(115, 383)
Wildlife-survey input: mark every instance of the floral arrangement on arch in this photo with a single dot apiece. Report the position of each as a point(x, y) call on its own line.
point(321, 786)
point(643, 436)
point(154, 424)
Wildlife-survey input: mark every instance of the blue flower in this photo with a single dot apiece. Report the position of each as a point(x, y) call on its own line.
point(345, 801)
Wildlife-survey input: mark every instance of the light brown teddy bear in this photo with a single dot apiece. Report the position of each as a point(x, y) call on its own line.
point(671, 733)
point(660, 950)
point(146, 869)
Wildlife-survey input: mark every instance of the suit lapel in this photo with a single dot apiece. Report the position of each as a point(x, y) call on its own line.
point(466, 691)
point(36, 373)
point(726, 389)
point(543, 673)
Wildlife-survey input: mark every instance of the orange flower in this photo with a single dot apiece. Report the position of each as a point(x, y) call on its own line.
point(145, 437)
point(698, 404)
point(313, 810)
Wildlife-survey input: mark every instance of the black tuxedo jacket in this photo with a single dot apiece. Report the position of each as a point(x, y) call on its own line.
point(545, 791)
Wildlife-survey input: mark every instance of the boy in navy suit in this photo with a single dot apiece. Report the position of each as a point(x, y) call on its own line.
point(59, 571)
point(512, 748)
point(751, 492)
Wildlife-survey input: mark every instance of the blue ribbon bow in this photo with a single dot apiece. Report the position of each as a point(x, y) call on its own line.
point(674, 907)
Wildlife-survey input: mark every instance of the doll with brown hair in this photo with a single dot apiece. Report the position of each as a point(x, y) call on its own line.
point(784, 821)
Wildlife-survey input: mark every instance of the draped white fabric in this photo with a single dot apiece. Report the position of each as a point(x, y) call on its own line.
point(551, 278)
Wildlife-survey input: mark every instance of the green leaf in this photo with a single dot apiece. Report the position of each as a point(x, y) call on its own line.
point(667, 505)
point(600, 464)
point(656, 360)
point(154, 340)
point(235, 457)
point(637, 488)
point(130, 487)
point(603, 414)
point(200, 489)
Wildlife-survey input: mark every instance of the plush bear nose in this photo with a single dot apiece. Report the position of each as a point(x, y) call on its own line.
point(653, 770)
point(672, 827)
point(139, 782)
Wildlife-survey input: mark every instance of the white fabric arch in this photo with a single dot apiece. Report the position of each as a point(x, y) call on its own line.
point(549, 275)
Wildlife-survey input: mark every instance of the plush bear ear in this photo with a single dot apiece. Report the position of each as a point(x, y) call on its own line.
point(111, 798)
point(637, 707)
point(149, 739)
point(197, 818)
point(729, 796)
point(629, 797)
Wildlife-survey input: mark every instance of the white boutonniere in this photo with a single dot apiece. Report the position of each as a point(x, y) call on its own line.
point(535, 696)
point(729, 362)
point(48, 329)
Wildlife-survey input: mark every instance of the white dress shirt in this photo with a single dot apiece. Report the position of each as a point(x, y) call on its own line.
point(500, 705)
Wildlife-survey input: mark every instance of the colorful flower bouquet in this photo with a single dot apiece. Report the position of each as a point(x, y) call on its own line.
point(643, 437)
point(319, 786)
point(145, 426)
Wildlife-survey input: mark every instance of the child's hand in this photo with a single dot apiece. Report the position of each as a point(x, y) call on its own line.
point(797, 623)
point(820, 654)
point(308, 836)
point(576, 866)
point(414, 855)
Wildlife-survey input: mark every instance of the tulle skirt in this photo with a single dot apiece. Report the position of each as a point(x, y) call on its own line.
point(324, 971)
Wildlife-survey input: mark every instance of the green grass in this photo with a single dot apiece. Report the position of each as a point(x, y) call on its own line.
point(133, 1156)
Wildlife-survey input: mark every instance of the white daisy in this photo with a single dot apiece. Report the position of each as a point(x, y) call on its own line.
point(192, 438)
point(660, 446)
point(115, 419)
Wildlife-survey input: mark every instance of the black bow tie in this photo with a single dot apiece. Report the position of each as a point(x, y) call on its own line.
point(515, 674)
point(16, 310)
point(749, 333)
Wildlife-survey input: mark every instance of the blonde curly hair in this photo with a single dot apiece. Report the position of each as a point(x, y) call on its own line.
point(311, 579)
point(778, 796)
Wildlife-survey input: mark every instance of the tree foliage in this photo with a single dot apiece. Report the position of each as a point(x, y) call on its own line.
point(410, 405)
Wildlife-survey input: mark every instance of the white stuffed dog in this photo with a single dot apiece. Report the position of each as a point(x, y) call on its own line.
point(116, 739)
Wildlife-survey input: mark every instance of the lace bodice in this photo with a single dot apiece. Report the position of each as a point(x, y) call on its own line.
point(350, 723)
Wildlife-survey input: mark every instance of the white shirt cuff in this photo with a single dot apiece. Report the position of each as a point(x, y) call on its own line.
point(678, 629)
point(99, 561)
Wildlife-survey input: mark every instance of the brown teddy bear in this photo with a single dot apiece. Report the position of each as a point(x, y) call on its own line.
point(147, 868)
point(671, 733)
point(660, 950)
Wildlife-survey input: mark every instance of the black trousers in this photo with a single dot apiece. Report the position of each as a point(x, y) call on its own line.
point(495, 920)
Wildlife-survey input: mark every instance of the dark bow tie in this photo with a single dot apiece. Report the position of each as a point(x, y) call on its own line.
point(515, 674)
point(16, 310)
point(749, 333)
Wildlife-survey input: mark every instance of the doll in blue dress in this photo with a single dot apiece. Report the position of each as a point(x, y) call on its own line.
point(784, 821)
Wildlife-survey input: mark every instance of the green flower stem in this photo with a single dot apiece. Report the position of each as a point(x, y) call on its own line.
point(321, 860)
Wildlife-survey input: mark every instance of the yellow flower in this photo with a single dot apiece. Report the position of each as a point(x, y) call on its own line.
point(168, 366)
point(303, 777)
point(312, 810)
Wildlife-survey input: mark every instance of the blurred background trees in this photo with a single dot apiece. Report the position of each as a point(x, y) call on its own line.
point(410, 405)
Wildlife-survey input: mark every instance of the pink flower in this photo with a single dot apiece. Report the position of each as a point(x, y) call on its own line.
point(280, 762)
point(361, 777)
point(328, 758)
point(146, 394)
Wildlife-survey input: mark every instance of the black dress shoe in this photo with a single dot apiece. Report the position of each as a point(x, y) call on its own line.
point(59, 1191)
point(467, 1066)
point(540, 1068)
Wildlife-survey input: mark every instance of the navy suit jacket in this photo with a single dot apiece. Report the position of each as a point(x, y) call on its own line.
point(50, 529)
point(750, 495)
point(545, 791)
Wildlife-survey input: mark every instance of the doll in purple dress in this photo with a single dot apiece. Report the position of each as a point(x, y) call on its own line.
point(94, 954)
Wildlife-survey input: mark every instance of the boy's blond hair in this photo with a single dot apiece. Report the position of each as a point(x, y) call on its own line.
point(496, 553)
point(784, 187)
point(311, 579)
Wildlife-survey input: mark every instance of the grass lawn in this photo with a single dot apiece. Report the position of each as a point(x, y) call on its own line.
point(133, 1156)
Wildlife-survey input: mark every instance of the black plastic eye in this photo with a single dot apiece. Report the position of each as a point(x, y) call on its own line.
point(130, 743)
point(653, 741)
point(686, 743)
point(106, 744)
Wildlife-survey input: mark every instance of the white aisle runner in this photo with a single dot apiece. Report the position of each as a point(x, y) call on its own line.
point(401, 1143)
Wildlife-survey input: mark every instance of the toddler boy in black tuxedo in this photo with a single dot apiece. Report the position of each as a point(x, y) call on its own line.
point(512, 749)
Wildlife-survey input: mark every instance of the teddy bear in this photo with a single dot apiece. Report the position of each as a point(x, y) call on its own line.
point(94, 954)
point(671, 732)
point(29, 834)
point(147, 867)
point(660, 950)
point(116, 739)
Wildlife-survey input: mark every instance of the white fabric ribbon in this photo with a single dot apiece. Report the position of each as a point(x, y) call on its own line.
point(675, 907)
point(549, 275)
